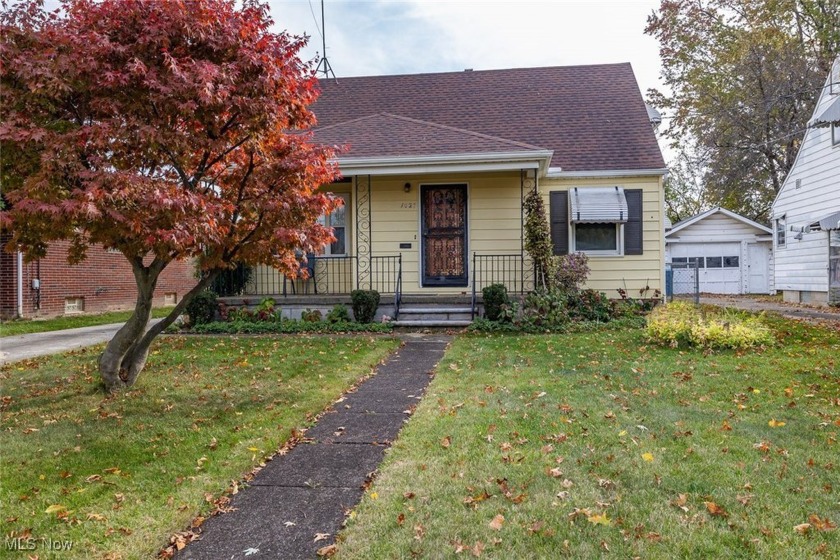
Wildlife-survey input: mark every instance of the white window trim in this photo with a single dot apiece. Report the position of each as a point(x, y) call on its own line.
point(780, 221)
point(619, 242)
point(835, 136)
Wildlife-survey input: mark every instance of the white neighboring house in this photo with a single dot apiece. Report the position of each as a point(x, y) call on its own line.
point(734, 254)
point(806, 212)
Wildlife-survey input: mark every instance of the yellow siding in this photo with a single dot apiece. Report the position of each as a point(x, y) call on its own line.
point(493, 214)
point(494, 228)
point(631, 272)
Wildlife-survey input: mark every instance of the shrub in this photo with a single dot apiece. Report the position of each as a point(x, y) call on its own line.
point(571, 272)
point(365, 304)
point(495, 298)
point(544, 309)
point(202, 308)
point(310, 316)
point(681, 323)
point(589, 305)
point(338, 314)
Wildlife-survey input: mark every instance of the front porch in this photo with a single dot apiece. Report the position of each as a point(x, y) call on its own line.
point(329, 280)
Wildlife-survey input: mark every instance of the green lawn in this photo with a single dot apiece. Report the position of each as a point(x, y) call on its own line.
point(597, 444)
point(118, 475)
point(28, 326)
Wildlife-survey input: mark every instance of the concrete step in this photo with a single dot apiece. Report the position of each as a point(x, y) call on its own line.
point(425, 313)
point(432, 323)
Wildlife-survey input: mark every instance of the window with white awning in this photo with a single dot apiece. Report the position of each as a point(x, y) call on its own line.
point(597, 205)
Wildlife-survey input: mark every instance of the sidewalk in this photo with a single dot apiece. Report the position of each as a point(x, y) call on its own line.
point(786, 310)
point(298, 502)
point(24, 346)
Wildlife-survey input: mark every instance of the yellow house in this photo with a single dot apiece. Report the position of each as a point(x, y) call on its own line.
point(436, 168)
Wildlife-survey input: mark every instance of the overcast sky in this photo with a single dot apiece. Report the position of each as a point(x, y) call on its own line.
point(378, 37)
point(409, 36)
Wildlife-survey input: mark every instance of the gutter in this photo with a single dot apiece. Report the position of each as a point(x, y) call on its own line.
point(535, 159)
point(554, 172)
point(20, 285)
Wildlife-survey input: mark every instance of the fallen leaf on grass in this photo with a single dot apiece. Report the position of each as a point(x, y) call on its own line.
point(821, 524)
point(497, 522)
point(555, 472)
point(55, 508)
point(401, 519)
point(773, 423)
point(599, 519)
point(647, 457)
point(802, 528)
point(715, 510)
point(95, 517)
point(446, 442)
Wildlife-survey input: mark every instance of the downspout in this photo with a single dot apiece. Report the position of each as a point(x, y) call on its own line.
point(20, 285)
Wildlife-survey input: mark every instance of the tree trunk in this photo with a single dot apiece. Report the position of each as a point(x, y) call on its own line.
point(125, 355)
point(112, 361)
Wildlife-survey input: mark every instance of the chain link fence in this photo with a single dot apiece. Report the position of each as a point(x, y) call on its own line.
point(682, 280)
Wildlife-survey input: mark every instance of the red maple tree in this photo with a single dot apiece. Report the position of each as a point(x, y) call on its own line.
point(165, 130)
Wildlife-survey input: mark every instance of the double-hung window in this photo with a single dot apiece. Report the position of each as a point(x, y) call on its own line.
point(338, 222)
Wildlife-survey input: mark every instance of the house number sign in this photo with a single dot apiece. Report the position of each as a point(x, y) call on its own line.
point(408, 205)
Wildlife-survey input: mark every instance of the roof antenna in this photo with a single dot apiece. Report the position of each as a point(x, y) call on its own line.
point(324, 64)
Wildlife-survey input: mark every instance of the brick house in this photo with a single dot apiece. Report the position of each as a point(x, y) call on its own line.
point(103, 282)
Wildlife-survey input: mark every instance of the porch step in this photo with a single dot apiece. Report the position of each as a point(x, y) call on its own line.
point(431, 323)
point(436, 313)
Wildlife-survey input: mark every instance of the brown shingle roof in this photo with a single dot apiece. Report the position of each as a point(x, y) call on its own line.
point(384, 134)
point(592, 117)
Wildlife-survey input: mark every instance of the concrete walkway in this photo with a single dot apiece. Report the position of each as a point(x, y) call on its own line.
point(787, 310)
point(25, 346)
point(299, 501)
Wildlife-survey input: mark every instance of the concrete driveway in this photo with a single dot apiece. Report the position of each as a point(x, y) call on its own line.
point(791, 310)
point(24, 346)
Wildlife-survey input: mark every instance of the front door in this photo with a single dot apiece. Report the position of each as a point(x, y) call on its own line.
point(444, 234)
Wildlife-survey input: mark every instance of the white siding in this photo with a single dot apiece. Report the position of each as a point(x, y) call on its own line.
point(802, 264)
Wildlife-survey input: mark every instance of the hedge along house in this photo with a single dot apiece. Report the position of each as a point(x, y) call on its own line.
point(436, 167)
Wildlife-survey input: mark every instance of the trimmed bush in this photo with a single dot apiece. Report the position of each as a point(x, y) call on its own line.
point(683, 324)
point(495, 297)
point(202, 308)
point(365, 304)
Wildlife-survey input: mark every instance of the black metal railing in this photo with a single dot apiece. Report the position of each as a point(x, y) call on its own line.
point(384, 273)
point(512, 270)
point(326, 275)
point(321, 275)
point(398, 291)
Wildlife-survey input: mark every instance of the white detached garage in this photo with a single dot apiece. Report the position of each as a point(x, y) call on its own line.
point(734, 254)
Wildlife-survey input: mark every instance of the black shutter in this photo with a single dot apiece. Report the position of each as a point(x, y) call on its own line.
point(633, 242)
point(559, 210)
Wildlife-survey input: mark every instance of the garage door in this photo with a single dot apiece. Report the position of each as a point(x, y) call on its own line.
point(719, 264)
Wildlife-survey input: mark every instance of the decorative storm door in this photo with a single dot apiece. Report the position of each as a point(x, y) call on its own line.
point(444, 228)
